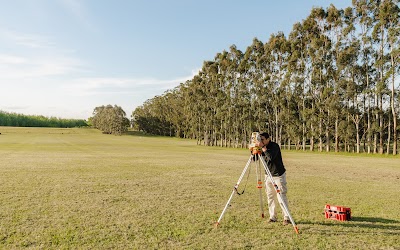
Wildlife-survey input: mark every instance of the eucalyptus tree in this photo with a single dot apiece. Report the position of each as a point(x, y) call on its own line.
point(353, 75)
point(173, 111)
point(320, 87)
point(229, 68)
point(252, 87)
point(197, 100)
point(235, 57)
point(262, 76)
point(299, 69)
point(139, 118)
point(380, 36)
point(306, 34)
point(392, 22)
point(254, 56)
point(190, 101)
point(223, 97)
point(151, 117)
point(279, 49)
point(364, 21)
point(188, 128)
point(158, 108)
point(142, 118)
point(215, 98)
point(210, 74)
point(110, 119)
point(204, 107)
point(336, 30)
point(243, 101)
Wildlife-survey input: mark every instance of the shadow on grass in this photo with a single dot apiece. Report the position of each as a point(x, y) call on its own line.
point(361, 222)
point(358, 225)
point(374, 219)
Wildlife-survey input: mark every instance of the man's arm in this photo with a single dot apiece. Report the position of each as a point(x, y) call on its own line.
point(272, 153)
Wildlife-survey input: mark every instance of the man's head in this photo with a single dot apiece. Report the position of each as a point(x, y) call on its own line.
point(265, 138)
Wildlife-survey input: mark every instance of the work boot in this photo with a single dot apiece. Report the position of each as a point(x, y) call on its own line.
point(286, 222)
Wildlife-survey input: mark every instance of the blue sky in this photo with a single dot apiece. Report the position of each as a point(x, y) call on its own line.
point(63, 58)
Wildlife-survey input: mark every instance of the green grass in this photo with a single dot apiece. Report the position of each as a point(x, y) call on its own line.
point(80, 189)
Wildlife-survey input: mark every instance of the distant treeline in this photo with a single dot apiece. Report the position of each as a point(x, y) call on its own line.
point(20, 120)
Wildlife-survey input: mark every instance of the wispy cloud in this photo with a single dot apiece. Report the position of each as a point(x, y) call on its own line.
point(110, 86)
point(17, 67)
point(34, 56)
point(27, 40)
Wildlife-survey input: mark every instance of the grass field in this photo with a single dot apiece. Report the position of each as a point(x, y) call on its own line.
point(80, 189)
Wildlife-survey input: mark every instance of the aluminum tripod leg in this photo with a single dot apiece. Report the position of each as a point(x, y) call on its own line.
point(281, 201)
point(259, 185)
point(234, 191)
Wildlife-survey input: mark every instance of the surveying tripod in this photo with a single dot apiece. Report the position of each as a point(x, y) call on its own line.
point(259, 160)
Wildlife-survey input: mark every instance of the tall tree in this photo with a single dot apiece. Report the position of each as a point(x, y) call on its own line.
point(110, 119)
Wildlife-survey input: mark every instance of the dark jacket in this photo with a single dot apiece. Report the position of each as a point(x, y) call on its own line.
point(273, 157)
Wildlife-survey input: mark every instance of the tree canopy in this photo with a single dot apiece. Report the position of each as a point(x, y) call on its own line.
point(110, 119)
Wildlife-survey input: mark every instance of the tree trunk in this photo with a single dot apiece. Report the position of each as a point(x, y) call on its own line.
point(381, 127)
point(358, 134)
point(369, 130)
point(327, 142)
point(312, 139)
point(320, 135)
point(276, 126)
point(337, 134)
point(394, 134)
point(393, 108)
point(388, 139)
point(304, 136)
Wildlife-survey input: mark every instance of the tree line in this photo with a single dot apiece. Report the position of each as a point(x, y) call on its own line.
point(20, 120)
point(330, 85)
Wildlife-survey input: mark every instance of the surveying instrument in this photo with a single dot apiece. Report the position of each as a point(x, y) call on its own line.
point(259, 162)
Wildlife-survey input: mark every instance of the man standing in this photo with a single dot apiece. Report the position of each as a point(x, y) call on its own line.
point(273, 157)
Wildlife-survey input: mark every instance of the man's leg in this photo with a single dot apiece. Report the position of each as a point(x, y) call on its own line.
point(271, 194)
point(281, 182)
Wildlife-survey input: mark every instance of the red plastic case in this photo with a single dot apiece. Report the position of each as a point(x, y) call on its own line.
point(337, 213)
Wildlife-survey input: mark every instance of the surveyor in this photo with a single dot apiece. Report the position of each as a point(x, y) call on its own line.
point(272, 153)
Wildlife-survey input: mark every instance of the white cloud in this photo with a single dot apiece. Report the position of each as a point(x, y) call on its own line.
point(16, 67)
point(35, 56)
point(109, 86)
point(34, 41)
